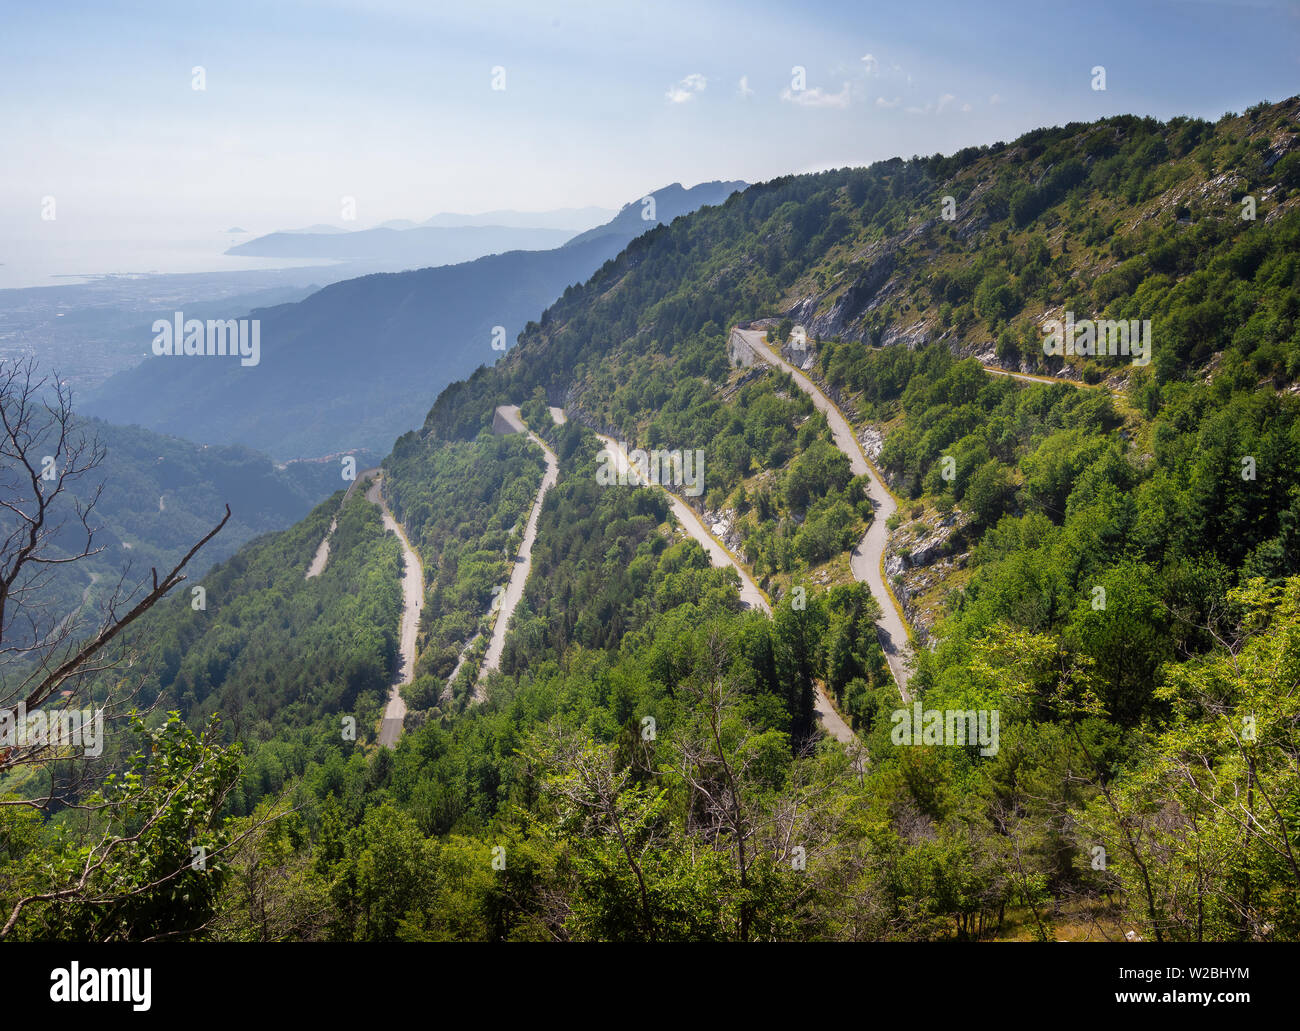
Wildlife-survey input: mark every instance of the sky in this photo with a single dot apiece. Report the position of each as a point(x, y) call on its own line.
point(391, 102)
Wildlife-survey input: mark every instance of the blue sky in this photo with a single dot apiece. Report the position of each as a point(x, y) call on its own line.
point(390, 101)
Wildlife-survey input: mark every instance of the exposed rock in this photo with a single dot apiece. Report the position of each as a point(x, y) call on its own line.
point(872, 441)
point(974, 227)
point(913, 336)
point(758, 370)
point(928, 550)
point(722, 524)
point(870, 275)
point(918, 559)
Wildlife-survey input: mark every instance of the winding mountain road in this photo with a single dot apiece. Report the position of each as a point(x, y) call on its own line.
point(867, 558)
point(720, 557)
point(412, 601)
point(750, 595)
point(1028, 377)
point(322, 556)
point(514, 591)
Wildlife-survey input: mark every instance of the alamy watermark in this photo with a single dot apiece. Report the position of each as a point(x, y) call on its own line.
point(952, 727)
point(242, 337)
point(74, 983)
point(675, 468)
point(82, 728)
point(1101, 337)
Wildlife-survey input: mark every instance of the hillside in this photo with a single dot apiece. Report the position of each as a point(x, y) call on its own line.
point(161, 493)
point(1121, 218)
point(1091, 560)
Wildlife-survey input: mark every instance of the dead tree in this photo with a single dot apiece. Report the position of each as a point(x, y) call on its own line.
point(50, 660)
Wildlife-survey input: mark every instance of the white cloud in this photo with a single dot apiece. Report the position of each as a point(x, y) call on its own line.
point(817, 97)
point(743, 89)
point(947, 102)
point(995, 99)
point(882, 102)
point(871, 65)
point(687, 88)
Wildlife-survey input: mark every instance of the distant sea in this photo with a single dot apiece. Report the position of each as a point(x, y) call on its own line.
point(54, 261)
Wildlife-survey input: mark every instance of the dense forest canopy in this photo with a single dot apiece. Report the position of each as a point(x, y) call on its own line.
point(1108, 561)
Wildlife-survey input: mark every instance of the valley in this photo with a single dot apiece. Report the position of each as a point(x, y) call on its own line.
point(355, 364)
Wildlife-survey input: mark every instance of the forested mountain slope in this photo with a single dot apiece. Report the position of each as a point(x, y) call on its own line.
point(1054, 491)
point(1100, 572)
point(1123, 218)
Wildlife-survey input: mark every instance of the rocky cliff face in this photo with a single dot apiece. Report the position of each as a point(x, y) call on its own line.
point(876, 276)
point(844, 316)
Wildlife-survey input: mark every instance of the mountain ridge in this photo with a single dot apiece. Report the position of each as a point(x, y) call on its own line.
point(353, 365)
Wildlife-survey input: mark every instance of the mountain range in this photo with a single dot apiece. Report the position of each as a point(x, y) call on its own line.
point(354, 365)
point(415, 246)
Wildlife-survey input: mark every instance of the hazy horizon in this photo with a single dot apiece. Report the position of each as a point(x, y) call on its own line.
point(394, 107)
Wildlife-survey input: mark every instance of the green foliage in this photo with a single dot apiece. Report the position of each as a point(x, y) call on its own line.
point(464, 505)
point(157, 862)
point(649, 750)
